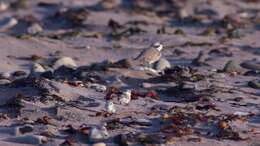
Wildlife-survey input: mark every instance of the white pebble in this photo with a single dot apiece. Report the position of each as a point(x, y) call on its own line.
point(34, 29)
point(3, 6)
point(30, 139)
point(125, 98)
point(10, 22)
point(37, 69)
point(110, 107)
point(65, 61)
point(99, 144)
point(98, 134)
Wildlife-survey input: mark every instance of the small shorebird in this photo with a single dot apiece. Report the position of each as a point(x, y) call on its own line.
point(150, 55)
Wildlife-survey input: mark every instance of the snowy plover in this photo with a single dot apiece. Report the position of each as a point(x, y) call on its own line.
point(150, 55)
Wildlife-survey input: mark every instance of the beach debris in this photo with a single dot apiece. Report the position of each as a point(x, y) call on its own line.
point(125, 97)
point(30, 139)
point(162, 64)
point(98, 134)
point(65, 61)
point(35, 28)
point(110, 107)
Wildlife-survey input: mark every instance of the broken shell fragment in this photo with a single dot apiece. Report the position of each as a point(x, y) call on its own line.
point(125, 98)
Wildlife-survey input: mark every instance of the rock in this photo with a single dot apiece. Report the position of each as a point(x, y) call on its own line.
point(143, 122)
point(231, 67)
point(34, 29)
point(65, 61)
point(4, 81)
point(9, 22)
point(254, 84)
point(200, 59)
point(47, 74)
point(126, 139)
point(22, 130)
point(183, 13)
point(162, 64)
point(98, 134)
point(98, 87)
point(19, 74)
point(110, 107)
point(110, 4)
point(5, 75)
point(124, 63)
point(252, 65)
point(37, 69)
point(63, 72)
point(30, 139)
point(99, 144)
point(125, 97)
point(3, 6)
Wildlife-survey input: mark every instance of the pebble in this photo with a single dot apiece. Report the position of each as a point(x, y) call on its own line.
point(252, 65)
point(30, 139)
point(4, 81)
point(3, 6)
point(9, 22)
point(98, 134)
point(18, 131)
point(124, 63)
point(254, 84)
point(162, 64)
point(98, 87)
point(37, 69)
point(110, 107)
point(200, 59)
point(65, 61)
point(5, 75)
point(110, 4)
point(34, 29)
point(99, 144)
point(231, 67)
point(125, 97)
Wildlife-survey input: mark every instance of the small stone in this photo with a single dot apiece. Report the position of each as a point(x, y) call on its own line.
point(19, 73)
point(5, 75)
point(162, 64)
point(98, 134)
point(124, 63)
point(30, 139)
point(252, 65)
point(125, 97)
point(183, 13)
point(37, 69)
point(200, 59)
point(254, 84)
point(110, 107)
point(230, 67)
point(4, 81)
point(34, 29)
point(9, 23)
point(99, 144)
point(22, 130)
point(143, 122)
point(65, 61)
point(110, 4)
point(98, 87)
point(3, 6)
